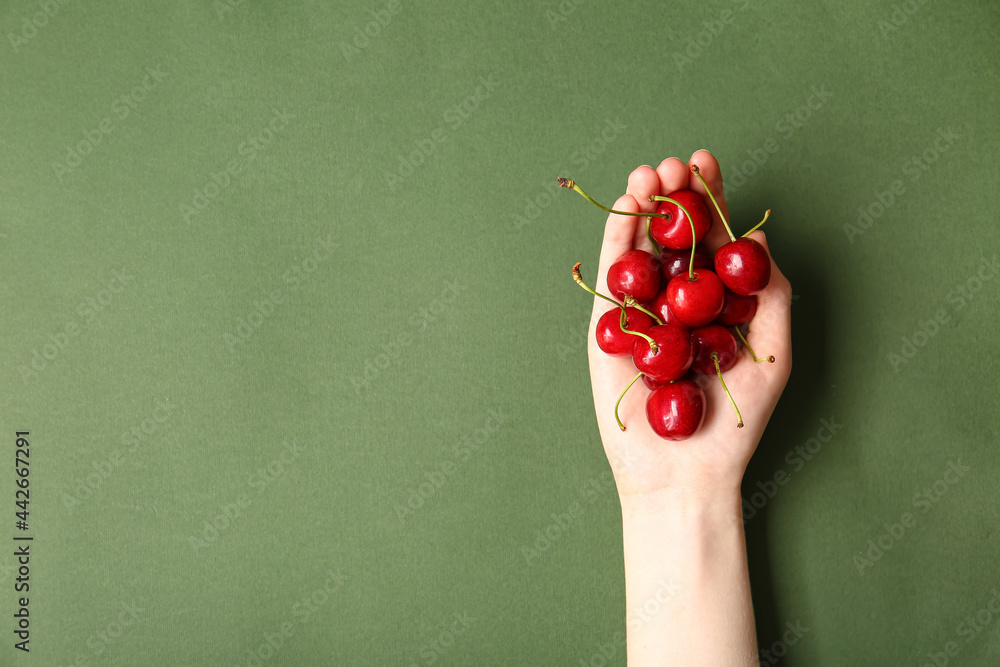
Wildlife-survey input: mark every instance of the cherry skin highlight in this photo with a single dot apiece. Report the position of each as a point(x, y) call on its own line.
point(675, 262)
point(737, 309)
point(675, 411)
point(697, 301)
point(744, 266)
point(676, 232)
point(673, 356)
point(610, 337)
point(636, 273)
point(713, 339)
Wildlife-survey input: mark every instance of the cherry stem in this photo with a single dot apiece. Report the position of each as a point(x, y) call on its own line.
point(617, 419)
point(694, 237)
point(569, 183)
point(623, 319)
point(715, 360)
point(739, 334)
point(632, 303)
point(767, 214)
point(697, 172)
point(649, 235)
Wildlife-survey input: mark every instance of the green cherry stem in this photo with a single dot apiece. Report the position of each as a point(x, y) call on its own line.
point(694, 237)
point(697, 172)
point(739, 334)
point(632, 303)
point(622, 320)
point(571, 184)
point(715, 360)
point(649, 235)
point(617, 419)
point(767, 214)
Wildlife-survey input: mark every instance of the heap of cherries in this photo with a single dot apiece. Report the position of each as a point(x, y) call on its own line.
point(676, 316)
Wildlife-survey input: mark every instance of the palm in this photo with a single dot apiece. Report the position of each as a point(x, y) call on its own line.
point(718, 453)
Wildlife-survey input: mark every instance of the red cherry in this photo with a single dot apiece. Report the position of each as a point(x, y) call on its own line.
point(744, 266)
point(696, 301)
point(675, 411)
point(675, 232)
point(659, 307)
point(610, 336)
point(636, 273)
point(713, 339)
point(653, 384)
point(673, 355)
point(675, 262)
point(737, 309)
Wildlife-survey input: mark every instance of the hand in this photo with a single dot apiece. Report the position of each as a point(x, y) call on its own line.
point(715, 457)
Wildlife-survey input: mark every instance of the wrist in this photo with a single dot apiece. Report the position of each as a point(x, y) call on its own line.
point(684, 505)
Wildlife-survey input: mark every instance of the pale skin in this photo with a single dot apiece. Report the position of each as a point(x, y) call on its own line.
point(686, 579)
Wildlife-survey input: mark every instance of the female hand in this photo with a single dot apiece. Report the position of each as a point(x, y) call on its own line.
point(715, 457)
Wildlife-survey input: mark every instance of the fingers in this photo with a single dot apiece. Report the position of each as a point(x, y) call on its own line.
point(710, 170)
point(643, 183)
point(771, 327)
point(673, 175)
point(619, 234)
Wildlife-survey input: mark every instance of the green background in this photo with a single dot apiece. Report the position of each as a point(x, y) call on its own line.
point(449, 270)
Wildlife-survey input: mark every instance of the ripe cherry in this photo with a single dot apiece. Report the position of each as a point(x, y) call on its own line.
point(635, 273)
point(696, 299)
point(672, 358)
point(715, 351)
point(653, 384)
point(737, 309)
point(674, 231)
point(744, 266)
point(610, 337)
point(675, 411)
point(717, 340)
point(661, 309)
point(675, 262)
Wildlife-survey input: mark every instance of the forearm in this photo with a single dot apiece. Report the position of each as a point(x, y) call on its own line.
point(686, 580)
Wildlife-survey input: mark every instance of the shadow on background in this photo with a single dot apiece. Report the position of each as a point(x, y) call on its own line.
point(794, 421)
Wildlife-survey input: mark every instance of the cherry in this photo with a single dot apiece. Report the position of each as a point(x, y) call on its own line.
point(606, 332)
point(610, 337)
point(636, 273)
point(744, 266)
point(737, 309)
point(653, 384)
point(674, 231)
point(661, 309)
point(713, 340)
point(675, 411)
point(672, 357)
point(696, 299)
point(675, 262)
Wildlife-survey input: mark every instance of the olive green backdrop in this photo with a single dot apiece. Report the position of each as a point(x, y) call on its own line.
point(286, 310)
